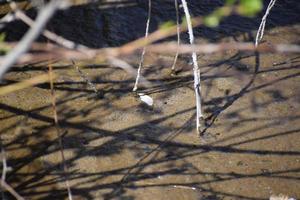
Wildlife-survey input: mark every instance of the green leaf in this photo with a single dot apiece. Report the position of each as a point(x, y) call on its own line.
point(212, 21)
point(230, 2)
point(250, 7)
point(2, 37)
point(166, 25)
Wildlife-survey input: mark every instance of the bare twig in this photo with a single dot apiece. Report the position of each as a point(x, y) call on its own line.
point(261, 29)
point(85, 78)
point(11, 190)
point(44, 15)
point(4, 166)
point(9, 17)
point(128, 68)
point(3, 183)
point(144, 48)
point(100, 55)
point(48, 34)
point(157, 35)
point(196, 69)
point(221, 47)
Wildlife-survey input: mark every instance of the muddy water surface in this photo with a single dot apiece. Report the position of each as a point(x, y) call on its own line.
point(118, 148)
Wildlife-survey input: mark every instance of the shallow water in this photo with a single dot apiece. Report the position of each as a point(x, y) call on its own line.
point(118, 148)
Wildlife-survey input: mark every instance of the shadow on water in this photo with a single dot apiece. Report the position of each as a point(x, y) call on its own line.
point(159, 152)
point(114, 26)
point(117, 148)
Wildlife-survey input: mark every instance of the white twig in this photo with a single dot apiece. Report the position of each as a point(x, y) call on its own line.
point(4, 168)
point(261, 29)
point(128, 68)
point(196, 69)
point(4, 165)
point(9, 17)
point(11, 190)
point(44, 15)
point(144, 48)
point(3, 183)
point(178, 34)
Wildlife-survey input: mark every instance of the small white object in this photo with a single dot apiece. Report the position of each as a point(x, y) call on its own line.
point(146, 99)
point(281, 197)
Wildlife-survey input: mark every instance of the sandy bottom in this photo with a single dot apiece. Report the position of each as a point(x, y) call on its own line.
point(116, 147)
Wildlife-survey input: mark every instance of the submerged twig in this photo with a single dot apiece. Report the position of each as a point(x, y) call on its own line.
point(196, 69)
point(144, 48)
point(261, 29)
point(85, 78)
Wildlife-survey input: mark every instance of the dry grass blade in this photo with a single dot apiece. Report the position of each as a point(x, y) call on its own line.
point(43, 17)
point(25, 84)
point(59, 135)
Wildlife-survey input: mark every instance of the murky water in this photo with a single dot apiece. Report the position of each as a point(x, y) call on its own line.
point(118, 148)
point(113, 26)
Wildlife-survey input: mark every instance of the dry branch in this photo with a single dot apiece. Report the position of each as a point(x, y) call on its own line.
point(144, 48)
point(197, 83)
point(261, 29)
point(43, 17)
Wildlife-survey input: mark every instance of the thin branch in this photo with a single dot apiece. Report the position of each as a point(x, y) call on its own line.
point(128, 68)
point(4, 166)
point(43, 17)
point(222, 47)
point(196, 69)
point(157, 35)
point(261, 29)
point(3, 183)
point(85, 78)
point(101, 55)
point(144, 48)
point(11, 190)
point(9, 17)
point(48, 34)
